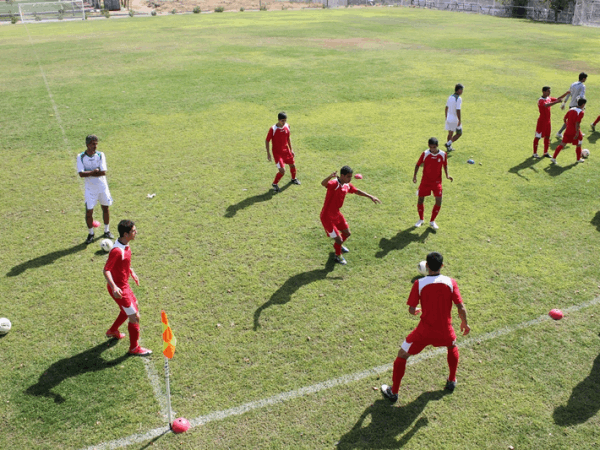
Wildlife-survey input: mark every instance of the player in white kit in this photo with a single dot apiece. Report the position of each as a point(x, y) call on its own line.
point(91, 165)
point(453, 116)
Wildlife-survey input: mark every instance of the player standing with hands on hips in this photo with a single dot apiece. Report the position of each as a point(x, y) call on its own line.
point(117, 271)
point(91, 165)
point(282, 150)
point(453, 116)
point(432, 160)
point(436, 293)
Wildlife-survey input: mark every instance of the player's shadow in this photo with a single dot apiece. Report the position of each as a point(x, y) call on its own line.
point(584, 401)
point(596, 221)
point(401, 240)
point(284, 294)
point(388, 423)
point(44, 260)
point(87, 361)
point(529, 163)
point(592, 138)
point(555, 170)
point(246, 203)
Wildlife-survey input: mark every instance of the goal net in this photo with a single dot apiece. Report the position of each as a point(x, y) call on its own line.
point(587, 12)
point(45, 11)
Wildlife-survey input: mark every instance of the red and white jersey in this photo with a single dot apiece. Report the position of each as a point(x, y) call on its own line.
point(280, 138)
point(432, 166)
point(436, 294)
point(573, 117)
point(334, 199)
point(545, 113)
point(119, 264)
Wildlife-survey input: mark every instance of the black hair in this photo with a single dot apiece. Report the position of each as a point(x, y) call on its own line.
point(545, 88)
point(582, 76)
point(281, 116)
point(458, 87)
point(581, 102)
point(435, 261)
point(125, 226)
point(91, 138)
point(433, 141)
point(345, 170)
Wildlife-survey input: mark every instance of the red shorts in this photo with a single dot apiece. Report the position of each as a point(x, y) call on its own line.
point(333, 224)
point(127, 302)
point(418, 341)
point(282, 159)
point(572, 138)
point(425, 189)
point(543, 129)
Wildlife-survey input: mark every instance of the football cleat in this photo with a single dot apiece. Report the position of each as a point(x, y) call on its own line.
point(90, 238)
point(419, 223)
point(295, 181)
point(108, 235)
point(553, 161)
point(450, 385)
point(340, 259)
point(115, 334)
point(581, 160)
point(546, 155)
point(593, 127)
point(559, 136)
point(140, 351)
point(276, 188)
point(387, 393)
point(536, 156)
point(434, 225)
point(345, 249)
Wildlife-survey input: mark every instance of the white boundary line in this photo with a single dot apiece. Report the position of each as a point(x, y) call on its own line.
point(290, 395)
point(159, 394)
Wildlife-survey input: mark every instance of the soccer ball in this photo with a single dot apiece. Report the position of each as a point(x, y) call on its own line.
point(585, 153)
point(106, 245)
point(422, 267)
point(5, 325)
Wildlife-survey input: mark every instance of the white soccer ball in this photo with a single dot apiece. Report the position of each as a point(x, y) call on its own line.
point(585, 153)
point(5, 325)
point(106, 245)
point(422, 267)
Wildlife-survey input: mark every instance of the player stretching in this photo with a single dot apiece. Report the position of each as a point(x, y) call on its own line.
point(117, 271)
point(544, 123)
point(573, 132)
point(91, 165)
point(332, 219)
point(576, 92)
point(436, 293)
point(282, 150)
point(453, 117)
point(433, 160)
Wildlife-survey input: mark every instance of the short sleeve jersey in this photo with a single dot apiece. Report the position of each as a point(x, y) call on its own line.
point(574, 116)
point(454, 104)
point(86, 163)
point(432, 166)
point(576, 91)
point(436, 294)
point(119, 264)
point(545, 114)
point(334, 199)
point(280, 138)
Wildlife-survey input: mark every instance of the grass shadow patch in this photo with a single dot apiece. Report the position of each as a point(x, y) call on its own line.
point(401, 240)
point(44, 260)
point(529, 163)
point(232, 210)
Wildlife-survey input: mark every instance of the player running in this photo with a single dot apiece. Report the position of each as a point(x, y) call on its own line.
point(282, 150)
point(117, 271)
point(432, 160)
point(332, 219)
point(544, 123)
point(436, 293)
point(573, 133)
point(91, 165)
point(453, 116)
point(576, 92)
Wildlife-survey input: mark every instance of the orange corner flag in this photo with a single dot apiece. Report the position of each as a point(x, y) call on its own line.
point(169, 340)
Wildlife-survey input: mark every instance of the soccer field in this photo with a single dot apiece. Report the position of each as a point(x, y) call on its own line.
point(182, 105)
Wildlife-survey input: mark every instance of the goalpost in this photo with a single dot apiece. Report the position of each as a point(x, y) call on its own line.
point(45, 11)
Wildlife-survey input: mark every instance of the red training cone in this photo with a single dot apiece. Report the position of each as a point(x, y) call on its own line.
point(556, 314)
point(180, 425)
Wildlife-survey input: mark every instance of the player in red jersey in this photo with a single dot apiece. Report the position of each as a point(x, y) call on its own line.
point(544, 123)
point(436, 293)
point(573, 131)
point(595, 123)
point(332, 219)
point(117, 271)
point(282, 150)
point(433, 160)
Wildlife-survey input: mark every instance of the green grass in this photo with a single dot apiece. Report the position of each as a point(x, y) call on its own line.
point(182, 106)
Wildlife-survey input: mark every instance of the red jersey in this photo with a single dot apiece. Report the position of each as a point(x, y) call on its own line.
point(280, 138)
point(432, 166)
point(545, 113)
point(334, 199)
point(436, 293)
point(573, 117)
point(119, 264)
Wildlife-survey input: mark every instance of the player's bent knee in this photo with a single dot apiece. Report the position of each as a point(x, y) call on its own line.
point(281, 170)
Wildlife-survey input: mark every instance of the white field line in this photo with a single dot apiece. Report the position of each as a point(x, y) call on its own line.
point(159, 392)
point(286, 396)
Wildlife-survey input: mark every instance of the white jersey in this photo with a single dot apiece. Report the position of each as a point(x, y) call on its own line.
point(86, 163)
point(453, 104)
point(577, 91)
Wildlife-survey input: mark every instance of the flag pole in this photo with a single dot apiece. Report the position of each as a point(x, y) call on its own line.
point(168, 391)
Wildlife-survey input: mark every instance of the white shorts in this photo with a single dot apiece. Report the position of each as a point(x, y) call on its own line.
point(93, 197)
point(452, 126)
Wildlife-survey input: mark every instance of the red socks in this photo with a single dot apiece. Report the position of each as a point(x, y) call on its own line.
point(434, 212)
point(578, 152)
point(452, 362)
point(535, 144)
point(546, 144)
point(399, 369)
point(421, 209)
point(596, 121)
point(338, 249)
point(557, 151)
point(134, 335)
point(293, 172)
point(120, 321)
point(278, 177)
